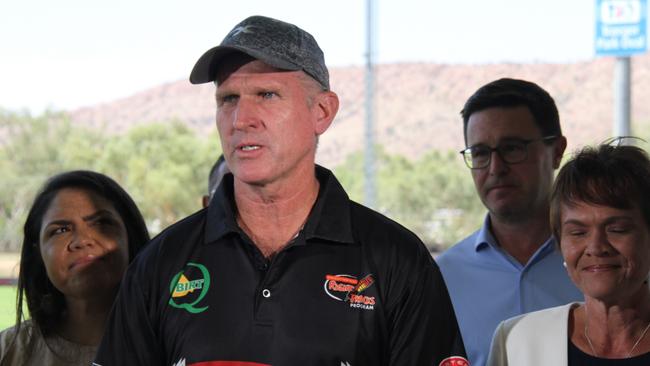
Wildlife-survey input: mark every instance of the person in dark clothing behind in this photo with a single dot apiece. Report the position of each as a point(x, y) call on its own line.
point(281, 268)
point(218, 170)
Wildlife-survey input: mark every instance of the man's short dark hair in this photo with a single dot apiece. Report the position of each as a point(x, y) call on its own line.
point(510, 93)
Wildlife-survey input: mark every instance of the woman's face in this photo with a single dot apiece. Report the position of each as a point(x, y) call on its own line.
point(83, 243)
point(607, 250)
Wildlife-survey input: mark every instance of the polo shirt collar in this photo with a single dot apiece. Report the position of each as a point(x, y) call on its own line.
point(221, 218)
point(329, 219)
point(485, 239)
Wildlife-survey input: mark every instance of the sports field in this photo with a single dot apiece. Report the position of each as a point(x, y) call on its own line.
point(7, 306)
point(8, 270)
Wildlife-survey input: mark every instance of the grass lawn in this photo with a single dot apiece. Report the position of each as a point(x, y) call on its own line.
point(7, 306)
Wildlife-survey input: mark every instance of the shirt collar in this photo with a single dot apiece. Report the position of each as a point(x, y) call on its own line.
point(485, 238)
point(329, 219)
point(221, 218)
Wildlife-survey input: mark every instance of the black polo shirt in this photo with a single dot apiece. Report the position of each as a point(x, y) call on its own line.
point(353, 288)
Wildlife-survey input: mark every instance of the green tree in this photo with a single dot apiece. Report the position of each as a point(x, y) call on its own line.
point(433, 196)
point(163, 166)
point(32, 149)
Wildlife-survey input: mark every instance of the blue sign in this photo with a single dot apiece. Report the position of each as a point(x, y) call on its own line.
point(621, 27)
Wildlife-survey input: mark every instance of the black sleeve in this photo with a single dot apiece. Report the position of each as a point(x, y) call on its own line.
point(130, 338)
point(423, 324)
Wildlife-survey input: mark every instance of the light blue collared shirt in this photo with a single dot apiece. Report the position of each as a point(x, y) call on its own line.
point(487, 285)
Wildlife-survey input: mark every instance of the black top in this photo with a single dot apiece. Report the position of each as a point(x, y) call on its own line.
point(579, 358)
point(353, 288)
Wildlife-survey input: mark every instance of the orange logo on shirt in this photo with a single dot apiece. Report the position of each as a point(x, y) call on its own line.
point(347, 288)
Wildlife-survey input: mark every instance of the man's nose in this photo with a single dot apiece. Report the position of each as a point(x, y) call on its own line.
point(245, 115)
point(497, 165)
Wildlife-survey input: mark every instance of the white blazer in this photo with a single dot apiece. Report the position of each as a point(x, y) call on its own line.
point(537, 338)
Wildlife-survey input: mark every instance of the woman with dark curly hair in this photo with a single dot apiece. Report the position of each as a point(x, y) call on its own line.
point(81, 233)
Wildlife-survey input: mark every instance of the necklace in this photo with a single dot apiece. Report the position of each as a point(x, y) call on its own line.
point(629, 354)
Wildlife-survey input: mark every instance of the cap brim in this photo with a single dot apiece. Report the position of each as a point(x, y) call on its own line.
point(205, 69)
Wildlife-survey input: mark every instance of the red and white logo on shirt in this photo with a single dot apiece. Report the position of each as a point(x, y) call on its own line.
point(454, 361)
point(348, 288)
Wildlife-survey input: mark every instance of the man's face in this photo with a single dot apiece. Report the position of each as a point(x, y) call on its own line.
point(267, 127)
point(513, 191)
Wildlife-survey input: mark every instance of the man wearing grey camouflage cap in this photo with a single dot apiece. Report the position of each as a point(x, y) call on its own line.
point(282, 268)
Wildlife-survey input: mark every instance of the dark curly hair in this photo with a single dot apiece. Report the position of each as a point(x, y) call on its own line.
point(45, 303)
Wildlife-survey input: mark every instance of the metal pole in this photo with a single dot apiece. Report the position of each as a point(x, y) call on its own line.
point(622, 96)
point(370, 192)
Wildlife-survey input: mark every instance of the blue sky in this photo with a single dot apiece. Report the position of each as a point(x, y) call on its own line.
point(66, 54)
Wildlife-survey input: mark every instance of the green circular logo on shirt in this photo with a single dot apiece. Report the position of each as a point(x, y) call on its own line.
point(187, 289)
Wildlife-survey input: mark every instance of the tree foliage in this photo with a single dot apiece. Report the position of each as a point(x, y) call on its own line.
point(433, 196)
point(163, 166)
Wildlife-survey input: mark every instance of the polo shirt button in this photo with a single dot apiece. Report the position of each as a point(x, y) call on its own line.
point(266, 293)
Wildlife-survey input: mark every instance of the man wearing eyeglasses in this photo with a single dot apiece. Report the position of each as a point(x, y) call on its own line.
point(510, 265)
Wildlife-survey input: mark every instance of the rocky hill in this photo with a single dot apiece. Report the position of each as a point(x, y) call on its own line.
point(418, 104)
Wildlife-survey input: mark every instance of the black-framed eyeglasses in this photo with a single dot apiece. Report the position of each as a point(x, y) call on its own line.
point(511, 151)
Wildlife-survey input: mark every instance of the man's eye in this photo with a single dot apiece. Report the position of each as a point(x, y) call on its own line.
point(268, 94)
point(512, 147)
point(230, 98)
point(480, 152)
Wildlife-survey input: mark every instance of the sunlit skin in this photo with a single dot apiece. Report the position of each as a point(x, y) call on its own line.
point(268, 122)
point(516, 195)
point(607, 254)
point(267, 129)
point(84, 246)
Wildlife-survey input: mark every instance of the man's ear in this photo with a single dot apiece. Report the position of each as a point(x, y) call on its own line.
point(558, 151)
point(325, 106)
point(205, 200)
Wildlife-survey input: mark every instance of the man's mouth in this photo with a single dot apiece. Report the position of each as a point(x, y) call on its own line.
point(501, 187)
point(249, 147)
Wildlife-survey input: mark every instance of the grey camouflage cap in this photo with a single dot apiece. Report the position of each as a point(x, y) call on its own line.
point(276, 43)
